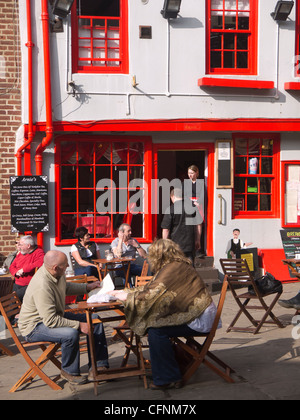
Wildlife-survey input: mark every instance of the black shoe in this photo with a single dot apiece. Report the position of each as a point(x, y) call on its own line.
point(291, 303)
point(74, 379)
point(175, 385)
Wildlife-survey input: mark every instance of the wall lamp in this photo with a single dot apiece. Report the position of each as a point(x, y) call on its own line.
point(171, 9)
point(282, 10)
point(62, 8)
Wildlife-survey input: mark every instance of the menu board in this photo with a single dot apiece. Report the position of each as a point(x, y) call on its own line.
point(29, 203)
point(291, 242)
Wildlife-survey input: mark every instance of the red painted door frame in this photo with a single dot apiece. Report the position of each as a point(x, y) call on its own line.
point(209, 148)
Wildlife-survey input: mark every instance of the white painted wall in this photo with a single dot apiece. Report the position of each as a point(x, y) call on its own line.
point(163, 92)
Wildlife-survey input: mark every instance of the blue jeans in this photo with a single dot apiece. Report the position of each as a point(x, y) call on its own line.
point(165, 368)
point(69, 340)
point(89, 271)
point(135, 270)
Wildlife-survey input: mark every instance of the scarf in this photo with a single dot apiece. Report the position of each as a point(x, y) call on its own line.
point(175, 296)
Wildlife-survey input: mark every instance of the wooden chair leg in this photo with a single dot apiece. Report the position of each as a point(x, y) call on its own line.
point(6, 350)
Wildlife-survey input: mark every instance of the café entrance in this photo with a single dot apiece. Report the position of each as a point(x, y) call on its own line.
point(172, 163)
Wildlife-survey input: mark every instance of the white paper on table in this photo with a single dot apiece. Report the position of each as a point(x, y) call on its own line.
point(101, 294)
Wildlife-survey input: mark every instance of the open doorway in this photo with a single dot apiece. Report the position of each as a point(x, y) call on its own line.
point(173, 164)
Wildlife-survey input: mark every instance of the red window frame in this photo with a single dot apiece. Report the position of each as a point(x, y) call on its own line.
point(297, 52)
point(79, 62)
point(106, 140)
point(251, 49)
point(274, 177)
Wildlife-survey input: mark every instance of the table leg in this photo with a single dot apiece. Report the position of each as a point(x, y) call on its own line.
point(127, 273)
point(92, 348)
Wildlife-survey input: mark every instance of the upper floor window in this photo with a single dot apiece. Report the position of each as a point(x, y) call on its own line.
point(232, 37)
point(100, 36)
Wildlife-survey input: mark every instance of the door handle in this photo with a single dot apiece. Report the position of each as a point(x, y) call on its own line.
point(221, 209)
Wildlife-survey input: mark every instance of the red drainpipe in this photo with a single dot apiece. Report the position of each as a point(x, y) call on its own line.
point(28, 137)
point(49, 124)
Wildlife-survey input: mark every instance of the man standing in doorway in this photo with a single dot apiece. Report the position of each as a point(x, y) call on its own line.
point(184, 228)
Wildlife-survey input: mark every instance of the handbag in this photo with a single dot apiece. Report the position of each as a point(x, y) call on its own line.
point(267, 285)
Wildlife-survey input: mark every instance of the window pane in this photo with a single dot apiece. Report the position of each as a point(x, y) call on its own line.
point(85, 200)
point(252, 202)
point(229, 60)
point(68, 176)
point(68, 225)
point(216, 21)
point(229, 41)
point(243, 22)
point(216, 59)
point(239, 185)
point(242, 42)
point(242, 60)
point(68, 201)
point(265, 185)
point(240, 165)
point(241, 146)
point(216, 41)
point(230, 20)
point(136, 153)
point(102, 172)
point(265, 203)
point(102, 153)
point(266, 166)
point(254, 146)
point(267, 147)
point(85, 176)
point(252, 186)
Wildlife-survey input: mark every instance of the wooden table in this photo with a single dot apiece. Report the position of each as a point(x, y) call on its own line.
point(124, 371)
point(110, 265)
point(294, 265)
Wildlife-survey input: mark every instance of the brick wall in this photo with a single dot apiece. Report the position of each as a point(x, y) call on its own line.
point(10, 113)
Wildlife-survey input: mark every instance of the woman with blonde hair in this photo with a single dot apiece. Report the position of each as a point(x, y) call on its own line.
point(175, 303)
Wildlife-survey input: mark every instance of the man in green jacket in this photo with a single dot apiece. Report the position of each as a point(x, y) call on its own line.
point(43, 316)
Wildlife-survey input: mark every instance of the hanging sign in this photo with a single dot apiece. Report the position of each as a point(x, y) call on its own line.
point(29, 203)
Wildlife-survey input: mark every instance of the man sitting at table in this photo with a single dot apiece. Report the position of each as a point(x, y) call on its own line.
point(43, 316)
point(23, 267)
point(126, 246)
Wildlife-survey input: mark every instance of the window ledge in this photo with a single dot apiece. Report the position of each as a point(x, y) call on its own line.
point(235, 83)
point(292, 86)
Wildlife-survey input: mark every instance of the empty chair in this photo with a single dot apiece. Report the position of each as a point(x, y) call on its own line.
point(237, 274)
point(10, 306)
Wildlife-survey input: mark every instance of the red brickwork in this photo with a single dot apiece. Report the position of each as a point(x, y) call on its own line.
point(10, 113)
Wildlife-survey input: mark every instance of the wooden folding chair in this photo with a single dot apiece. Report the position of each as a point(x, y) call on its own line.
point(238, 275)
point(10, 306)
point(142, 280)
point(195, 353)
point(145, 269)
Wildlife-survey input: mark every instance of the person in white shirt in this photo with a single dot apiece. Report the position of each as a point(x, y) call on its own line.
point(235, 244)
point(126, 246)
